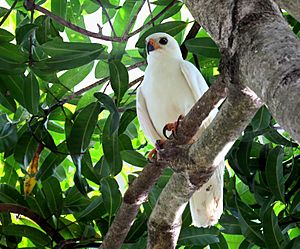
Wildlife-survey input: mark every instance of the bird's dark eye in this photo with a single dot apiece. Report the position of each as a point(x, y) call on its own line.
point(163, 41)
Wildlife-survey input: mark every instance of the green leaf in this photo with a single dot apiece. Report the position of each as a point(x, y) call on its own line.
point(51, 162)
point(12, 60)
point(24, 32)
point(46, 30)
point(250, 230)
point(83, 128)
point(9, 194)
point(6, 99)
point(222, 243)
point(111, 196)
point(261, 119)
point(230, 224)
point(126, 119)
point(59, 8)
point(119, 78)
point(8, 134)
point(273, 236)
point(25, 148)
point(6, 36)
point(198, 236)
point(274, 173)
point(31, 94)
point(171, 28)
point(275, 137)
point(110, 105)
point(10, 175)
point(92, 211)
point(102, 69)
point(53, 193)
point(15, 85)
point(110, 144)
point(38, 203)
point(203, 46)
point(68, 55)
point(75, 200)
point(134, 158)
point(29, 232)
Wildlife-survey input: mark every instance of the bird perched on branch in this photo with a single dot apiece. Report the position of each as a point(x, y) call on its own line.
point(170, 88)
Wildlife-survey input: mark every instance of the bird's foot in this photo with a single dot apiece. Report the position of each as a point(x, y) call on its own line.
point(153, 154)
point(172, 127)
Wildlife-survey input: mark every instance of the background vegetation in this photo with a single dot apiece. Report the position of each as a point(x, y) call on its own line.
point(68, 156)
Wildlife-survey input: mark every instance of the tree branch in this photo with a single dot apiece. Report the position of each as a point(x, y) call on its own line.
point(196, 164)
point(138, 191)
point(107, 17)
point(249, 31)
point(192, 33)
point(8, 12)
point(291, 6)
point(14, 208)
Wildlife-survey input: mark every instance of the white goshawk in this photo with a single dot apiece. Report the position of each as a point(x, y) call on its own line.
point(170, 88)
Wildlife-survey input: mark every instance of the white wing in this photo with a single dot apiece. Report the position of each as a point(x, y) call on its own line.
point(144, 118)
point(206, 203)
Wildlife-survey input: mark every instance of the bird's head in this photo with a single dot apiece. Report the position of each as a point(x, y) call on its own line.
point(162, 45)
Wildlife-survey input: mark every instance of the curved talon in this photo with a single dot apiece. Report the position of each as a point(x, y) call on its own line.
point(153, 153)
point(172, 127)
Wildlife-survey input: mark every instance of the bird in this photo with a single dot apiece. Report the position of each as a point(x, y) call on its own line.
point(170, 88)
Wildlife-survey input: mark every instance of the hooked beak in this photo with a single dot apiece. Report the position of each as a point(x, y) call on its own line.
point(152, 45)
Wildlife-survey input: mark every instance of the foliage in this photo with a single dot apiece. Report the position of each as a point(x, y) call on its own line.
point(93, 146)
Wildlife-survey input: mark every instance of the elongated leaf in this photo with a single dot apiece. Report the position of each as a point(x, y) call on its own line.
point(15, 84)
point(198, 236)
point(31, 94)
point(110, 105)
point(8, 134)
point(102, 69)
point(24, 32)
point(273, 236)
point(119, 78)
point(134, 158)
point(172, 28)
point(6, 100)
point(92, 211)
point(51, 162)
point(59, 8)
point(53, 193)
point(249, 229)
point(126, 119)
point(10, 175)
point(38, 203)
point(6, 36)
point(110, 144)
point(222, 243)
point(83, 128)
point(68, 55)
point(29, 232)
point(274, 172)
point(231, 224)
point(111, 196)
point(261, 119)
point(203, 46)
point(275, 137)
point(9, 194)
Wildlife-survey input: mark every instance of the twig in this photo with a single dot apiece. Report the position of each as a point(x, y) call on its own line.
point(192, 33)
point(131, 23)
point(151, 14)
point(107, 17)
point(77, 28)
point(136, 81)
point(153, 20)
point(138, 191)
point(30, 58)
point(8, 12)
point(14, 208)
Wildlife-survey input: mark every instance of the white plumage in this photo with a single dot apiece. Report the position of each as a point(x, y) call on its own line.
point(170, 88)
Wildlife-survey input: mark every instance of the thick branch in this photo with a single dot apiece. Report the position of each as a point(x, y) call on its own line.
point(291, 6)
point(17, 209)
point(263, 51)
point(137, 193)
point(203, 158)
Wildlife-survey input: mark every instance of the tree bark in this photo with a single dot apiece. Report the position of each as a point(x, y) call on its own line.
point(291, 6)
point(263, 51)
point(203, 158)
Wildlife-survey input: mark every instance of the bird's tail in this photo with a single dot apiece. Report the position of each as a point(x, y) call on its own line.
point(206, 204)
